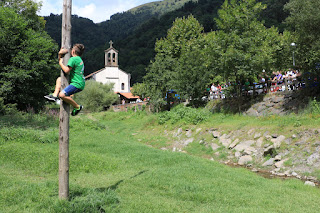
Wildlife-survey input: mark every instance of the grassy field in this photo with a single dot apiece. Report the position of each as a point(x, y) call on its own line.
point(113, 168)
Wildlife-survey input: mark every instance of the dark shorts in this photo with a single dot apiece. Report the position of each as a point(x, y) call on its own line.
point(70, 90)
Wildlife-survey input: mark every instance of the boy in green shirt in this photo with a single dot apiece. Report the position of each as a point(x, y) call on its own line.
point(75, 68)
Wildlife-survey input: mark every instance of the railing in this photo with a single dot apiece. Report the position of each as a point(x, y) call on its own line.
point(130, 106)
point(287, 84)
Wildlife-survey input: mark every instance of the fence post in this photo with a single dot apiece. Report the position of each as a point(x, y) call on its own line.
point(64, 107)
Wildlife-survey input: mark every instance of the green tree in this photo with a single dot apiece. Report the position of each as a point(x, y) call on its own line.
point(27, 9)
point(96, 96)
point(304, 20)
point(177, 64)
point(27, 61)
point(246, 45)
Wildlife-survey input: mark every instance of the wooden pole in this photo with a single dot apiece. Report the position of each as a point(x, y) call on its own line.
point(64, 107)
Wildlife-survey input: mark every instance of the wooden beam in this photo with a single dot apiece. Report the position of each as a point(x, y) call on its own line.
point(64, 107)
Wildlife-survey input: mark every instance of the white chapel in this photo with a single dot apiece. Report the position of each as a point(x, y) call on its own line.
point(111, 72)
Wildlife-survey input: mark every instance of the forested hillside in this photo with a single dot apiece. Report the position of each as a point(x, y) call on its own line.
point(136, 31)
point(137, 49)
point(160, 7)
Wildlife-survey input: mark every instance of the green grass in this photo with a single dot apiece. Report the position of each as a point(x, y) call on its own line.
point(113, 169)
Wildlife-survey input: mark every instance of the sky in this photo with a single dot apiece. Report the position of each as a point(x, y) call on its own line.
point(96, 10)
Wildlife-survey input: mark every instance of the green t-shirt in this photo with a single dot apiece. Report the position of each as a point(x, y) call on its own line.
point(77, 72)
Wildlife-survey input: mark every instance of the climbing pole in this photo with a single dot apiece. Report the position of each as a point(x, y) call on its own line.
point(64, 107)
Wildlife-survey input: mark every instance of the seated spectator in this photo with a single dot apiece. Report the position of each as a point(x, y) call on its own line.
point(279, 77)
point(273, 77)
point(213, 90)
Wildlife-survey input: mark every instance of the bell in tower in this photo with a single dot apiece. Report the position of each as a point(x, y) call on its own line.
point(111, 56)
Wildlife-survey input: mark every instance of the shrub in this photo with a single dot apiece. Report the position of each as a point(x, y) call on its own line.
point(96, 96)
point(186, 114)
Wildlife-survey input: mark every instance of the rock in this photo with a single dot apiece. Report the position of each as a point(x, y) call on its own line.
point(314, 157)
point(274, 135)
point(234, 143)
point(277, 141)
point(225, 141)
point(198, 130)
point(237, 154)
point(252, 112)
point(279, 164)
point(214, 146)
point(164, 148)
point(244, 160)
point(249, 150)
point(216, 134)
point(257, 135)
point(316, 144)
point(259, 142)
point(270, 150)
point(202, 142)
point(178, 132)
point(188, 141)
point(310, 178)
point(277, 99)
point(254, 170)
point(277, 158)
point(268, 137)
point(294, 136)
point(288, 141)
point(309, 183)
point(251, 131)
point(243, 145)
point(276, 170)
point(189, 133)
point(300, 143)
point(266, 145)
point(269, 162)
point(287, 173)
point(294, 174)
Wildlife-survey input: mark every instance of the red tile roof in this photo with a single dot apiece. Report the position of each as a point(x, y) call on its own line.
point(128, 95)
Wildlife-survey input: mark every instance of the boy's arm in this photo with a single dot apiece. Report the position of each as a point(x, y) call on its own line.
point(65, 69)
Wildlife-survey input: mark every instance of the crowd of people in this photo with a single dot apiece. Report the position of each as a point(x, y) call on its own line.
point(277, 81)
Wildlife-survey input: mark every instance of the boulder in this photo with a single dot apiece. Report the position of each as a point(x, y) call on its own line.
point(249, 150)
point(314, 157)
point(270, 150)
point(257, 135)
point(244, 160)
point(237, 154)
point(269, 162)
point(309, 183)
point(198, 130)
point(251, 131)
point(188, 141)
point(189, 133)
point(216, 134)
point(225, 141)
point(277, 141)
point(243, 145)
point(259, 142)
point(279, 164)
point(277, 158)
point(214, 146)
point(234, 143)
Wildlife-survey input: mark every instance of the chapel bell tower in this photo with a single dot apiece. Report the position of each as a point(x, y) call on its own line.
point(111, 56)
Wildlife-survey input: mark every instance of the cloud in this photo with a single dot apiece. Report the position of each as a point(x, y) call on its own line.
point(96, 10)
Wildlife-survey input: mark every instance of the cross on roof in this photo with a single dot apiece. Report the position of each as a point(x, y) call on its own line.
point(110, 43)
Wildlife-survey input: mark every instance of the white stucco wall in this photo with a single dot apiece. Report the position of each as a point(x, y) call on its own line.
point(116, 76)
